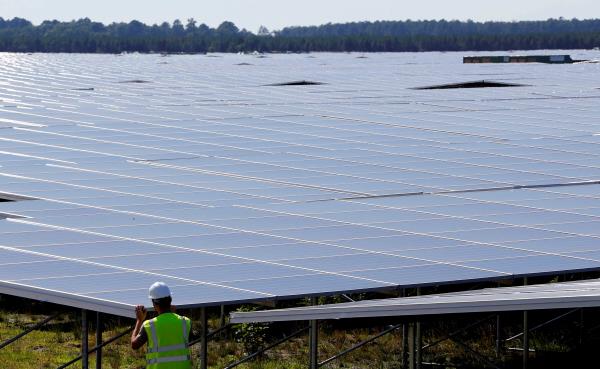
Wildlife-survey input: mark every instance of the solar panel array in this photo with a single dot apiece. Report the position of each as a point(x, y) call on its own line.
point(565, 295)
point(193, 171)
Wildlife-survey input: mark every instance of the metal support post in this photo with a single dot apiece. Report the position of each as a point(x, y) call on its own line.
point(525, 339)
point(84, 340)
point(581, 324)
point(418, 340)
point(411, 345)
point(313, 347)
point(525, 335)
point(99, 340)
point(404, 357)
point(203, 339)
point(404, 350)
point(498, 336)
point(314, 344)
point(222, 317)
point(418, 344)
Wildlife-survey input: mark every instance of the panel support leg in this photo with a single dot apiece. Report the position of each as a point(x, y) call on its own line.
point(418, 340)
point(222, 317)
point(203, 339)
point(313, 344)
point(404, 348)
point(99, 329)
point(498, 336)
point(418, 344)
point(581, 325)
point(84, 340)
point(525, 335)
point(404, 357)
point(411, 345)
point(525, 339)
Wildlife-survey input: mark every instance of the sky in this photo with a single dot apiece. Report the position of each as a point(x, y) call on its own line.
point(276, 14)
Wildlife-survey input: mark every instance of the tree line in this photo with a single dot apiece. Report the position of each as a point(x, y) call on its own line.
point(86, 36)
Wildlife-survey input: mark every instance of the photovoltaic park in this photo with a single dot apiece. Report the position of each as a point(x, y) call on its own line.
point(264, 179)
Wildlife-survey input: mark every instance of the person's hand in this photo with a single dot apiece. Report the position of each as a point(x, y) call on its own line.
point(140, 313)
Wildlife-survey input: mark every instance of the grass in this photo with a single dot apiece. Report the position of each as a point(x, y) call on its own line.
point(57, 343)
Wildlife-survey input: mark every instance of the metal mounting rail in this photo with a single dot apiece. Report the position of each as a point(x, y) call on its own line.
point(277, 343)
point(543, 324)
point(361, 344)
point(456, 332)
point(483, 189)
point(95, 348)
point(28, 330)
point(474, 352)
point(210, 335)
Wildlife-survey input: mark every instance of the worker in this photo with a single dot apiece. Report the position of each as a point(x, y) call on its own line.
point(167, 334)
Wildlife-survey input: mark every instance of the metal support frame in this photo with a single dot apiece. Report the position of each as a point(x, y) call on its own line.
point(28, 330)
point(95, 348)
point(498, 336)
point(348, 298)
point(99, 340)
point(525, 339)
point(452, 337)
point(209, 335)
point(203, 339)
point(581, 325)
point(418, 344)
point(474, 352)
point(361, 344)
point(404, 350)
point(313, 343)
point(313, 351)
point(277, 343)
point(542, 324)
point(411, 345)
point(456, 332)
point(418, 340)
point(525, 334)
point(222, 317)
point(84, 340)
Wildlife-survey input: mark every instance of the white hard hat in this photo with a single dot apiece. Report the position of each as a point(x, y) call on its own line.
point(159, 290)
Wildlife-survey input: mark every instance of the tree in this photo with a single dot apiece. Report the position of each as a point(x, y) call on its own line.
point(227, 28)
point(84, 35)
point(191, 25)
point(178, 27)
point(263, 31)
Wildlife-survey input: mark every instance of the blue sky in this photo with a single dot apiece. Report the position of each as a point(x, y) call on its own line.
point(275, 14)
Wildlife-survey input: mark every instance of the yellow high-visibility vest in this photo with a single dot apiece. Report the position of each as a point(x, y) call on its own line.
point(168, 336)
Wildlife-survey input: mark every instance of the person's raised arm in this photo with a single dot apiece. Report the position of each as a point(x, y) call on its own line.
point(136, 339)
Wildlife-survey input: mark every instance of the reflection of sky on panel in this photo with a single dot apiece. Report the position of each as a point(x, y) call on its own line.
point(232, 190)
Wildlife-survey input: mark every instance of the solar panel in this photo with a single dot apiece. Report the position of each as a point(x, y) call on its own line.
point(231, 190)
point(564, 295)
